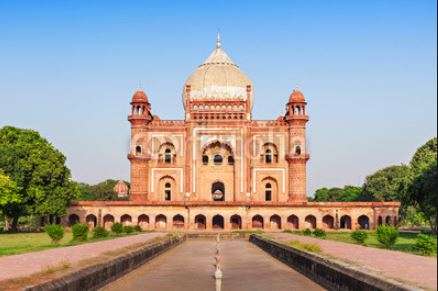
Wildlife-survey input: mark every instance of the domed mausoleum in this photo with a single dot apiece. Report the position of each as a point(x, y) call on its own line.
point(221, 169)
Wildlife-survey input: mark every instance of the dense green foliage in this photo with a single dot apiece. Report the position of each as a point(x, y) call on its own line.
point(80, 232)
point(424, 189)
point(39, 171)
point(425, 244)
point(387, 235)
point(101, 191)
point(346, 194)
point(138, 228)
point(100, 232)
point(319, 233)
point(9, 192)
point(388, 184)
point(128, 229)
point(55, 231)
point(307, 232)
point(359, 236)
point(117, 228)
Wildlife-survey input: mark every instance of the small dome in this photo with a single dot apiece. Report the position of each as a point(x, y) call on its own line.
point(296, 96)
point(139, 96)
point(218, 78)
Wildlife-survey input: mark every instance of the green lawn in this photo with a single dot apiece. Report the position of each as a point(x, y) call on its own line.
point(18, 243)
point(405, 241)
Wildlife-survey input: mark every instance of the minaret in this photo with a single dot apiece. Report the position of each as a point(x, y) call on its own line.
point(297, 157)
point(139, 118)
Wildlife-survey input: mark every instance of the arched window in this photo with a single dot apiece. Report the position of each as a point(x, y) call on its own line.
point(297, 150)
point(268, 156)
point(268, 192)
point(217, 159)
point(167, 191)
point(218, 191)
point(205, 159)
point(230, 160)
point(269, 153)
point(168, 156)
point(138, 150)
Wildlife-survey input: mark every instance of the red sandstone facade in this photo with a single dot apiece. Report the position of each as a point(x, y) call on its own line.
point(220, 169)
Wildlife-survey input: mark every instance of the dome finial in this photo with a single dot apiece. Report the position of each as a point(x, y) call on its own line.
point(218, 40)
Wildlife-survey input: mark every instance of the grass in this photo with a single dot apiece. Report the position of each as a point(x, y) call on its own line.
point(313, 248)
point(405, 241)
point(18, 243)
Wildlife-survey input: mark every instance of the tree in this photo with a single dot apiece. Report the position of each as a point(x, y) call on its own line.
point(424, 189)
point(424, 157)
point(389, 184)
point(39, 171)
point(101, 191)
point(9, 193)
point(347, 194)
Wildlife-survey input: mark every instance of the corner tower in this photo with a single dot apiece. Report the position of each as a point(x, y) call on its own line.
point(297, 156)
point(139, 118)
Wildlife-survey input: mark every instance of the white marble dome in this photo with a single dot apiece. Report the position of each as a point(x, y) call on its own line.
point(218, 78)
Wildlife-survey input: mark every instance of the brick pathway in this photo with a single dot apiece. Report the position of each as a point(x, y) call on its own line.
point(27, 264)
point(415, 270)
point(190, 266)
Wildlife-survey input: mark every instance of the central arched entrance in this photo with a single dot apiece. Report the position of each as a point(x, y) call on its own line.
point(200, 221)
point(218, 191)
point(218, 222)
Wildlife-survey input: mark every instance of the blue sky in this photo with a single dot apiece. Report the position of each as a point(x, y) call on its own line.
point(368, 69)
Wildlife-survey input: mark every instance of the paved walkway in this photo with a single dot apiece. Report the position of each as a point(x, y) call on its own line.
point(30, 263)
point(416, 270)
point(190, 266)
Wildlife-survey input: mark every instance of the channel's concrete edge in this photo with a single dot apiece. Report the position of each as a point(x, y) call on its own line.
point(329, 274)
point(94, 277)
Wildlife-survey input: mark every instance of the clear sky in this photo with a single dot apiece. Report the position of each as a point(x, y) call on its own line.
point(368, 69)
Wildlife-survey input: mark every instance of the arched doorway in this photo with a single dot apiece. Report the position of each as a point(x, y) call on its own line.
point(388, 220)
point(364, 222)
point(178, 221)
point(275, 221)
point(126, 219)
point(380, 220)
point(257, 221)
point(236, 222)
point(160, 221)
point(73, 219)
point(108, 221)
point(91, 220)
point(218, 222)
point(200, 221)
point(328, 222)
point(143, 221)
point(292, 222)
point(218, 191)
point(310, 221)
point(345, 222)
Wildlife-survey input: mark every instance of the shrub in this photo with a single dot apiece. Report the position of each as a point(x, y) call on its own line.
point(99, 232)
point(80, 231)
point(138, 228)
point(128, 229)
point(319, 233)
point(359, 236)
point(307, 232)
point(117, 228)
point(55, 231)
point(387, 235)
point(424, 244)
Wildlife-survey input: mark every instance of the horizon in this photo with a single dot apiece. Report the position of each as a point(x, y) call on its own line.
point(75, 68)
